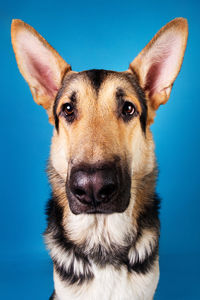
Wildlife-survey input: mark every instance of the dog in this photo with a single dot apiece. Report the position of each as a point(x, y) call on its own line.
point(103, 217)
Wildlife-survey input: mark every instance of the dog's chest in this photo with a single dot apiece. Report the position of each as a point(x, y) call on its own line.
point(110, 284)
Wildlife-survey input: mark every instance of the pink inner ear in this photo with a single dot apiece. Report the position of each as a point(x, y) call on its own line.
point(42, 73)
point(38, 63)
point(162, 61)
point(153, 77)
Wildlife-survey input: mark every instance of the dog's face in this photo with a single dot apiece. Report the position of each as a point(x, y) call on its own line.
point(100, 121)
point(102, 138)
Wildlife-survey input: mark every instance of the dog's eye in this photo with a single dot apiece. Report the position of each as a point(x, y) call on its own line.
point(68, 109)
point(69, 112)
point(128, 109)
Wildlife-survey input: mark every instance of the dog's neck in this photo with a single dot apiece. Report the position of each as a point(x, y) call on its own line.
point(76, 242)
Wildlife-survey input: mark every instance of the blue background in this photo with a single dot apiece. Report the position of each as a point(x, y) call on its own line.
point(97, 34)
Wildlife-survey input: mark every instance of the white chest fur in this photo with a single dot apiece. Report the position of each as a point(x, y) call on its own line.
point(110, 284)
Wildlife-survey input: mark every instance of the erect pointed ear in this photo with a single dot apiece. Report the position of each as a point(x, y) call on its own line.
point(159, 63)
point(41, 66)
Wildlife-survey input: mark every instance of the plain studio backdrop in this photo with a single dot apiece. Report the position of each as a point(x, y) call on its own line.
point(97, 34)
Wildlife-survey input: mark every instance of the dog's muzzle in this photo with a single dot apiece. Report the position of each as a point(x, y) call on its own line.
point(102, 188)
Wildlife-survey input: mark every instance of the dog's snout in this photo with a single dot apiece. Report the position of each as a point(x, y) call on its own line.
point(98, 188)
point(94, 186)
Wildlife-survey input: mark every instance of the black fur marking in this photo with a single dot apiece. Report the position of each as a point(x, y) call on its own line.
point(115, 256)
point(73, 97)
point(58, 96)
point(52, 296)
point(64, 83)
point(96, 77)
point(141, 97)
point(149, 218)
point(70, 275)
point(146, 265)
point(54, 218)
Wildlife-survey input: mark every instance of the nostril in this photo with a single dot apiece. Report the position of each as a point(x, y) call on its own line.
point(106, 191)
point(79, 193)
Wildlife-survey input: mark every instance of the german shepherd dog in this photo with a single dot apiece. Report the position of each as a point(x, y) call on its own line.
point(103, 224)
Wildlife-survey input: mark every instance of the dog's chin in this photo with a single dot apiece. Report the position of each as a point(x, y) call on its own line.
point(117, 206)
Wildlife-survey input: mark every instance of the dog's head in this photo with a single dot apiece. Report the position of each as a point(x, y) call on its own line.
point(102, 118)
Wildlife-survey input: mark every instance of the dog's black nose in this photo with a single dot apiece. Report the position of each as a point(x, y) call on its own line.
point(93, 186)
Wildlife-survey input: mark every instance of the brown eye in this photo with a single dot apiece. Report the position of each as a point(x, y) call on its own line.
point(128, 109)
point(68, 109)
point(69, 112)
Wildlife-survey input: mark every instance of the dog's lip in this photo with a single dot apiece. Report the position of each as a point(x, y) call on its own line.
point(97, 211)
point(88, 210)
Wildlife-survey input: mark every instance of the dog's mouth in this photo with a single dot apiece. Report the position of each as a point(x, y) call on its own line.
point(99, 189)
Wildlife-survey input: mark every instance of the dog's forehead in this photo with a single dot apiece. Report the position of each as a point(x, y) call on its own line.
point(96, 81)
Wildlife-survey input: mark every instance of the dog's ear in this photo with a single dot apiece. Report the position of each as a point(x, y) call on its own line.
point(159, 63)
point(41, 66)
